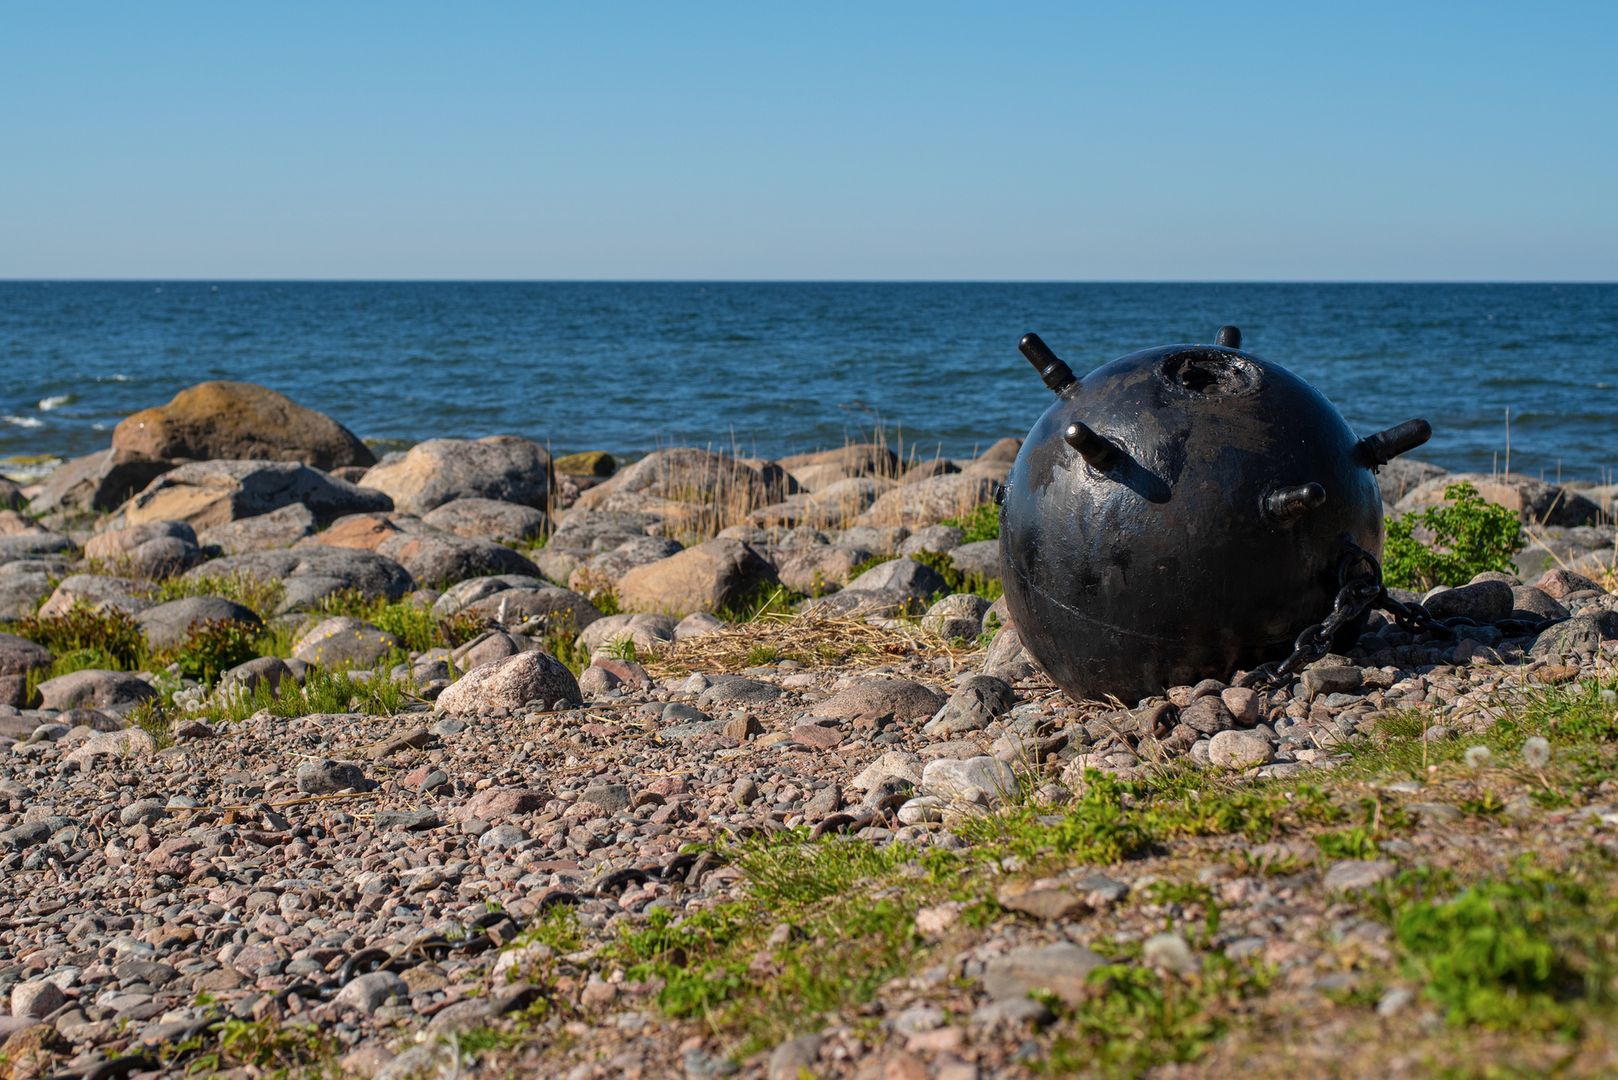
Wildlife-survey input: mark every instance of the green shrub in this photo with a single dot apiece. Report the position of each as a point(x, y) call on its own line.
point(1470, 536)
point(1511, 953)
point(981, 523)
point(212, 648)
point(109, 635)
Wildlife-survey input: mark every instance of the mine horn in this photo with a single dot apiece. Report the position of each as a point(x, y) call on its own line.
point(1092, 447)
point(1288, 504)
point(1057, 375)
point(1229, 336)
point(1377, 450)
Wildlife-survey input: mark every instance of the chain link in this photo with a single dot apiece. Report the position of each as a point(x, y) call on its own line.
point(1360, 589)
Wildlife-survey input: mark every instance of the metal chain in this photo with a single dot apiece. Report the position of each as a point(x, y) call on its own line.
point(1360, 588)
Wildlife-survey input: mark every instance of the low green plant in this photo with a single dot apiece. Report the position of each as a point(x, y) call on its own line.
point(1518, 952)
point(259, 595)
point(109, 635)
point(419, 628)
point(978, 524)
point(760, 600)
point(212, 648)
point(1469, 536)
point(1137, 1019)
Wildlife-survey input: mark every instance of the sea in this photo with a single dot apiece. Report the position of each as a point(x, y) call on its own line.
point(1525, 374)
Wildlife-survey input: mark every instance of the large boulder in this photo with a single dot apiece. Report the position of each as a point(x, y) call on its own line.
point(206, 493)
point(687, 475)
point(1533, 501)
point(267, 532)
point(240, 422)
point(94, 689)
point(511, 683)
point(310, 575)
point(19, 657)
point(168, 625)
point(98, 592)
point(600, 530)
point(155, 549)
point(488, 519)
point(514, 598)
point(820, 568)
point(648, 633)
point(703, 578)
point(927, 502)
point(437, 471)
point(24, 583)
point(96, 482)
point(343, 642)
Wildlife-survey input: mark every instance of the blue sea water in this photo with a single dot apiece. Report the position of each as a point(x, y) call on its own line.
point(773, 368)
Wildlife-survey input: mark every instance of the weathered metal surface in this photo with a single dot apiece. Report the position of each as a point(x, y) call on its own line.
point(1182, 512)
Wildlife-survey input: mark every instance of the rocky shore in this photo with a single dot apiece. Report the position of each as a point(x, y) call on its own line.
point(475, 758)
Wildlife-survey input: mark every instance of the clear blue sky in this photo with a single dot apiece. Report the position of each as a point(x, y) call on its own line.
point(1113, 141)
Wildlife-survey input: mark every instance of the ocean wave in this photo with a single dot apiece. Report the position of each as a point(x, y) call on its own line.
point(120, 377)
point(56, 401)
point(23, 421)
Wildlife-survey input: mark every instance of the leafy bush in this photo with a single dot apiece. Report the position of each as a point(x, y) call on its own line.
point(212, 648)
point(1470, 536)
point(980, 523)
point(110, 636)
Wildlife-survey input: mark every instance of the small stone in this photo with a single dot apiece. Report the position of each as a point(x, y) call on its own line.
point(1169, 952)
point(922, 810)
point(1062, 969)
point(369, 992)
point(984, 780)
point(36, 998)
point(325, 777)
point(608, 798)
point(1239, 749)
point(1353, 875)
point(1243, 704)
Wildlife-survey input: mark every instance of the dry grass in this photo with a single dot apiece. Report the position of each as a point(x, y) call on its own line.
point(813, 639)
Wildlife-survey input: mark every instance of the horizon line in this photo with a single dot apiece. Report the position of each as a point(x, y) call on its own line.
point(787, 281)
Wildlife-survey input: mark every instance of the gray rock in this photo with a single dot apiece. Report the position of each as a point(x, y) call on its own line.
point(205, 493)
point(1169, 952)
point(984, 781)
point(95, 689)
point(1484, 601)
point(438, 471)
point(169, 625)
point(261, 670)
point(36, 999)
point(280, 528)
point(510, 684)
point(1062, 969)
point(1007, 658)
point(1352, 875)
point(100, 481)
point(1239, 749)
point(648, 633)
point(1580, 634)
point(96, 591)
point(956, 616)
point(324, 776)
point(343, 642)
point(881, 701)
point(1529, 602)
point(977, 702)
point(18, 658)
point(608, 798)
point(369, 992)
point(936, 539)
point(697, 624)
point(904, 579)
point(1330, 680)
point(488, 519)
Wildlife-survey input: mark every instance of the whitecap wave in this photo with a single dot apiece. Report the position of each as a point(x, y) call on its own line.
point(23, 421)
point(120, 377)
point(26, 470)
point(56, 401)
